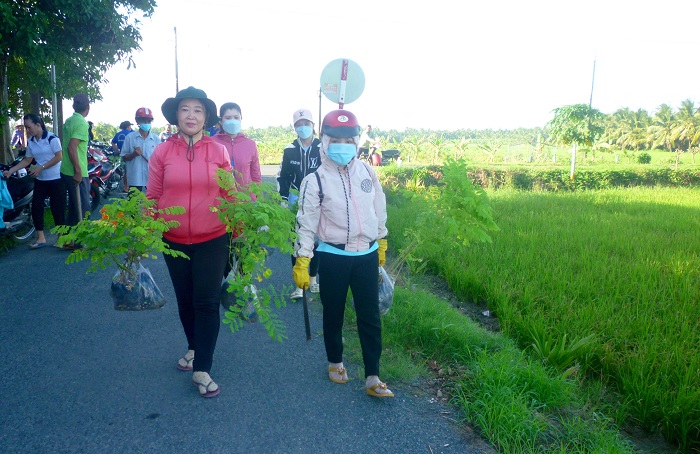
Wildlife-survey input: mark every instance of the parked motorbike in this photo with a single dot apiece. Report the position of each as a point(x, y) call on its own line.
point(105, 148)
point(375, 156)
point(18, 220)
point(105, 176)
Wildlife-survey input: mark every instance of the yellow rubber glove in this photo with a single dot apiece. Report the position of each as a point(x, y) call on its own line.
point(383, 245)
point(301, 272)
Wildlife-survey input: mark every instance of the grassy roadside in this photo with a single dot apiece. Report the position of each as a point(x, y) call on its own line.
point(516, 403)
point(559, 394)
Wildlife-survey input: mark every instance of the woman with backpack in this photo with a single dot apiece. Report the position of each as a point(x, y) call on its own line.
point(343, 205)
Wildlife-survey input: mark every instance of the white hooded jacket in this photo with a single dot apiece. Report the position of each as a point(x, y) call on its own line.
point(353, 210)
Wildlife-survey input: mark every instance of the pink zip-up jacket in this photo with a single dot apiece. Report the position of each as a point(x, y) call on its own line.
point(175, 181)
point(353, 211)
point(244, 156)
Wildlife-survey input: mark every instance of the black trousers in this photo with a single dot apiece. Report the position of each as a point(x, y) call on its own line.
point(78, 198)
point(360, 274)
point(56, 192)
point(197, 283)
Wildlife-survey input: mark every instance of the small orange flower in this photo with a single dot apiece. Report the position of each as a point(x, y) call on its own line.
point(114, 223)
point(120, 214)
point(105, 216)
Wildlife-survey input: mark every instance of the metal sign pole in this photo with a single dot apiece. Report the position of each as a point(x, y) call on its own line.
point(343, 84)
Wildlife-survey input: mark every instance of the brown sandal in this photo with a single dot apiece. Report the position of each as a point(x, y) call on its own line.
point(340, 372)
point(372, 390)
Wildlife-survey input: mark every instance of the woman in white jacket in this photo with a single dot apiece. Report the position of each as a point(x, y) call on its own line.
point(343, 205)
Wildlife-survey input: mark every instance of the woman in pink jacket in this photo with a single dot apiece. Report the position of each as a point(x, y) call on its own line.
point(241, 149)
point(182, 173)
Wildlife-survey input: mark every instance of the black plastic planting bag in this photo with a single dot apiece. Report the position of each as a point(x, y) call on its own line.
point(137, 292)
point(386, 291)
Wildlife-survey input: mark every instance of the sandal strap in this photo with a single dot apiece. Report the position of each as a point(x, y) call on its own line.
point(206, 387)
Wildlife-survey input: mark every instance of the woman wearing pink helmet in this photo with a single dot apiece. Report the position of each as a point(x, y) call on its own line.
point(343, 205)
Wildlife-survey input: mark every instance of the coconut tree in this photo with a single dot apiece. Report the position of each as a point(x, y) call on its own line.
point(661, 128)
point(687, 126)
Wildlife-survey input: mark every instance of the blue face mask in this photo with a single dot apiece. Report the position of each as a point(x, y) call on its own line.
point(304, 132)
point(232, 126)
point(341, 153)
point(145, 127)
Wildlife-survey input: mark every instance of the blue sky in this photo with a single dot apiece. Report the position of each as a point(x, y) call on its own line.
point(434, 65)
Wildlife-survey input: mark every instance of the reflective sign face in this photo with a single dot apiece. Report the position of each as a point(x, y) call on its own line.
point(342, 81)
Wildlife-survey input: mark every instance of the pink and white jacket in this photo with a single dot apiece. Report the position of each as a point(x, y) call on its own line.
point(175, 181)
point(353, 211)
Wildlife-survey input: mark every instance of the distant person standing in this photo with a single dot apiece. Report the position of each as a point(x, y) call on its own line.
point(18, 141)
point(367, 142)
point(74, 173)
point(138, 148)
point(242, 150)
point(165, 135)
point(118, 140)
point(299, 159)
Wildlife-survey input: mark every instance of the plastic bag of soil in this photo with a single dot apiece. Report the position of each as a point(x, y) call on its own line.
point(386, 291)
point(230, 298)
point(136, 291)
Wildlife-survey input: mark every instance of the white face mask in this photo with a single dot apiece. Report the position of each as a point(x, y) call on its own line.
point(304, 132)
point(342, 153)
point(232, 126)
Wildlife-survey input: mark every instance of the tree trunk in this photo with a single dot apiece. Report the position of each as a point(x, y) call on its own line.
point(6, 156)
point(35, 103)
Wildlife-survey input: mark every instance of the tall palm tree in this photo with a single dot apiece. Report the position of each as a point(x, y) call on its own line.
point(687, 125)
point(661, 128)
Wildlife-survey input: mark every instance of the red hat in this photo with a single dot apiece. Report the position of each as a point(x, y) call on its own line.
point(144, 112)
point(340, 123)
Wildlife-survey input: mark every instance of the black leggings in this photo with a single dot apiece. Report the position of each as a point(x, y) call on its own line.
point(197, 283)
point(359, 273)
point(56, 192)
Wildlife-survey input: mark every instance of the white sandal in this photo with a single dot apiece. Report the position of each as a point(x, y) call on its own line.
point(185, 363)
point(207, 387)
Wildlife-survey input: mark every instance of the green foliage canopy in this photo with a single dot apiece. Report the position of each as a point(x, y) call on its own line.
point(83, 38)
point(576, 124)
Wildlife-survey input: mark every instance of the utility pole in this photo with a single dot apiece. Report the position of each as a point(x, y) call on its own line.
point(176, 76)
point(54, 106)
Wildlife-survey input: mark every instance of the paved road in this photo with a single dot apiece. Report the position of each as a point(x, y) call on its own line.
point(78, 376)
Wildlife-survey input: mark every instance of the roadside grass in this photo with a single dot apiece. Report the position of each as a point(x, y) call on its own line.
point(517, 403)
point(602, 284)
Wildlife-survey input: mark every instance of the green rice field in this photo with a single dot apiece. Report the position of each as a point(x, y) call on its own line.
point(616, 270)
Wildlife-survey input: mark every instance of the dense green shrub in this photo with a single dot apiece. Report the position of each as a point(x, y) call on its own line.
point(550, 179)
point(644, 158)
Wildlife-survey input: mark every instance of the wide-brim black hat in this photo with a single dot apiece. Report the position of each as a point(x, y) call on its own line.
point(169, 107)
